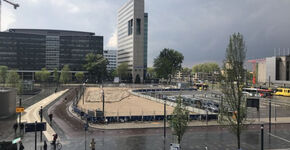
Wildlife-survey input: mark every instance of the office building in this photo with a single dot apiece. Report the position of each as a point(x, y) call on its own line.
point(132, 38)
point(111, 56)
point(276, 69)
point(29, 50)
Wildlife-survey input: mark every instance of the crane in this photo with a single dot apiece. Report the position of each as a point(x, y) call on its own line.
point(254, 64)
point(15, 5)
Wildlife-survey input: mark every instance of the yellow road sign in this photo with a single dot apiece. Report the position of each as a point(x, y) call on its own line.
point(19, 109)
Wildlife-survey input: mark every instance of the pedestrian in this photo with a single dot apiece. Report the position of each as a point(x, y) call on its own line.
point(22, 128)
point(15, 126)
point(50, 118)
point(44, 145)
point(92, 145)
point(21, 147)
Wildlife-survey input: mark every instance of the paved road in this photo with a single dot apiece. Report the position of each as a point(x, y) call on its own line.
point(214, 137)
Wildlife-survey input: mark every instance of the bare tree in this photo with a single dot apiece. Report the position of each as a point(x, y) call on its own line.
point(233, 81)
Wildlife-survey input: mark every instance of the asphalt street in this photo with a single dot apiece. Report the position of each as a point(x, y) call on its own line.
point(73, 136)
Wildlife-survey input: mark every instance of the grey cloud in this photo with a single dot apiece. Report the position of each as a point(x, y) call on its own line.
point(197, 28)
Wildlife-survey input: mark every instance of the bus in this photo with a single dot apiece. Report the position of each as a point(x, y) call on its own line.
point(283, 92)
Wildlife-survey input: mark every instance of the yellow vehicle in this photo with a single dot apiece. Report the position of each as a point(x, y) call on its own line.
point(283, 92)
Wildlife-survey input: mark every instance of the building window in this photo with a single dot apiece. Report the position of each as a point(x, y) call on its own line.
point(130, 27)
point(138, 26)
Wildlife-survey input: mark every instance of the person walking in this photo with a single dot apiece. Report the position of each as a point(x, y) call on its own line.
point(15, 126)
point(44, 145)
point(21, 147)
point(93, 144)
point(50, 118)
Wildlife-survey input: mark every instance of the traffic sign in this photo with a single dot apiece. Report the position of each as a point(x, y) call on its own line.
point(30, 127)
point(16, 140)
point(19, 109)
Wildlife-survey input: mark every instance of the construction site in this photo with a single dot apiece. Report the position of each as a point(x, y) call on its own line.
point(120, 102)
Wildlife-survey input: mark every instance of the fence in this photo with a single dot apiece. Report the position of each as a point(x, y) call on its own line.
point(95, 116)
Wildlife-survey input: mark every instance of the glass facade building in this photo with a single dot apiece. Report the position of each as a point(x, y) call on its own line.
point(33, 49)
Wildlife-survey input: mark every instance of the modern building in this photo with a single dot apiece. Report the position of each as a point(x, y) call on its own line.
point(111, 56)
point(276, 69)
point(133, 38)
point(29, 50)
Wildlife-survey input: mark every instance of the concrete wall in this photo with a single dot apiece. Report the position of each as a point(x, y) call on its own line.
point(262, 72)
point(271, 69)
point(7, 102)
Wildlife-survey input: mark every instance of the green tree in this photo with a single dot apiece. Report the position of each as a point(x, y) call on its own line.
point(151, 73)
point(13, 80)
point(42, 75)
point(65, 75)
point(55, 75)
point(168, 63)
point(122, 71)
point(179, 120)
point(79, 76)
point(206, 68)
point(233, 81)
point(96, 65)
point(3, 74)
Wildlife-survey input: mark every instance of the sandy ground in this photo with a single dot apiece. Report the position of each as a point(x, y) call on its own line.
point(119, 102)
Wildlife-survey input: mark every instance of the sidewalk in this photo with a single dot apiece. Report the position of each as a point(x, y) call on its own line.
point(31, 113)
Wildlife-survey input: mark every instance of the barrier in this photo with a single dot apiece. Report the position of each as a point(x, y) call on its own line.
point(92, 117)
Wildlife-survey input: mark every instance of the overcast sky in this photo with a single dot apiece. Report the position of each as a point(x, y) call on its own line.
point(199, 29)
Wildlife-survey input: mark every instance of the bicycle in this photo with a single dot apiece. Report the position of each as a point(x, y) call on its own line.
point(57, 145)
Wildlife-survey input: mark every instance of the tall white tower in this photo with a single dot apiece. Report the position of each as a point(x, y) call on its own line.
point(131, 45)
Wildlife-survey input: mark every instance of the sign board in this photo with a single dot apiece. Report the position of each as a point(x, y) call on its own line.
point(30, 127)
point(19, 109)
point(16, 140)
point(253, 102)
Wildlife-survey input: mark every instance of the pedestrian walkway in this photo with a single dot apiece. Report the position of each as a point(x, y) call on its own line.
point(31, 113)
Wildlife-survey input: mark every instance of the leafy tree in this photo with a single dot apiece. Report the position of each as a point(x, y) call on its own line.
point(3, 73)
point(65, 75)
point(179, 120)
point(14, 81)
point(42, 75)
point(79, 76)
point(111, 74)
point(151, 73)
point(233, 81)
point(55, 75)
point(206, 68)
point(122, 71)
point(168, 63)
point(96, 65)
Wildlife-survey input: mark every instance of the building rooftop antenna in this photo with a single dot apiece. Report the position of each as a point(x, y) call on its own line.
point(15, 5)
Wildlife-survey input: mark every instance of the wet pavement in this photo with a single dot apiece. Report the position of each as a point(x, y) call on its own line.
point(72, 134)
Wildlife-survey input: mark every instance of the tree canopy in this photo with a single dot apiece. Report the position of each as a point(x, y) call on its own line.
point(55, 75)
point(233, 81)
point(168, 63)
point(122, 71)
point(151, 73)
point(42, 75)
point(179, 120)
point(79, 76)
point(13, 80)
point(65, 75)
point(96, 65)
point(3, 73)
point(206, 68)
